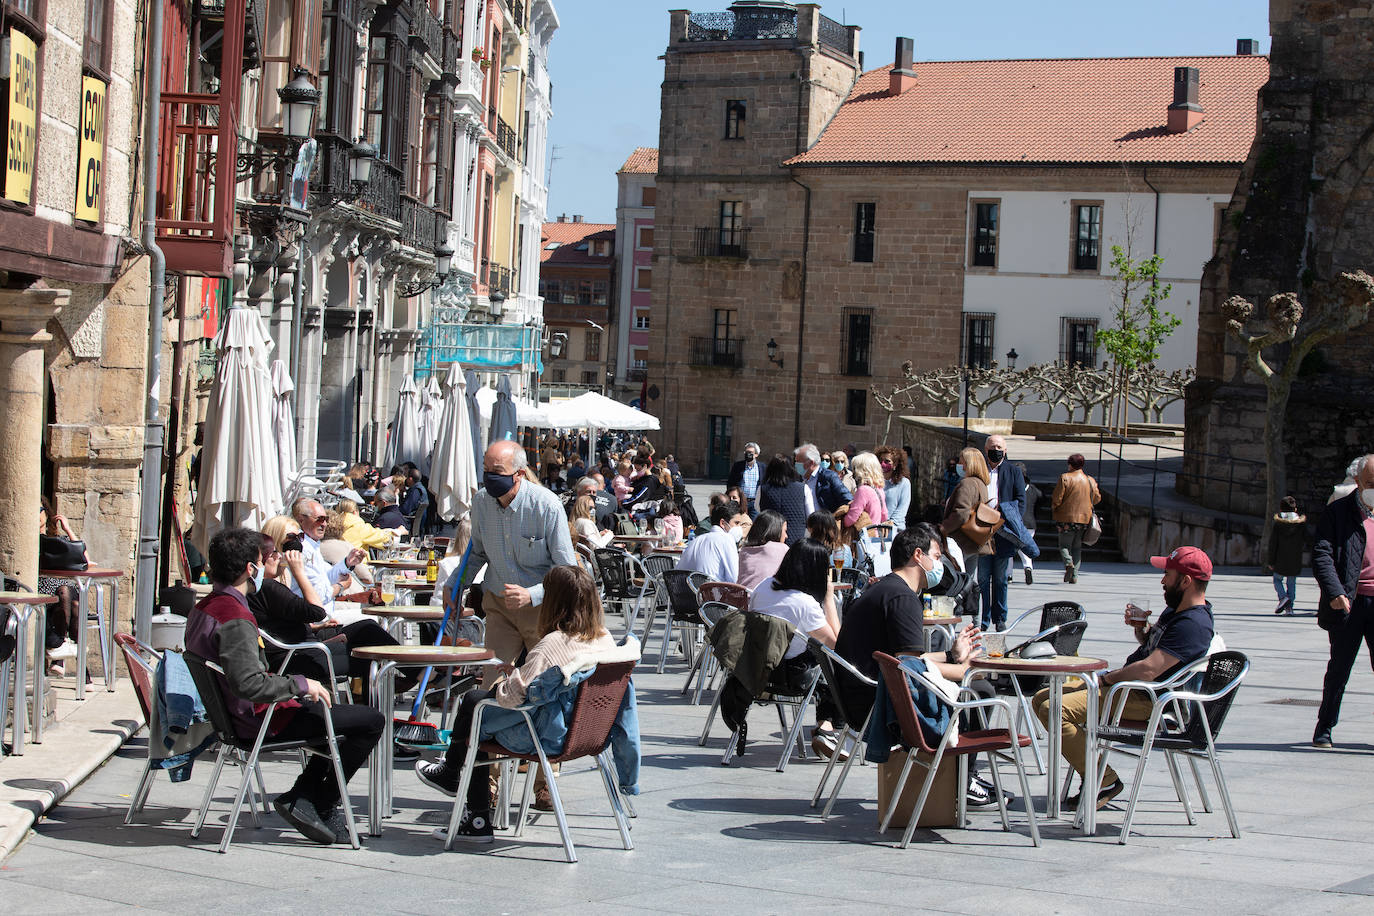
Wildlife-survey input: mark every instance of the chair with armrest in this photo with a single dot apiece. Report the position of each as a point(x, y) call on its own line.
point(684, 600)
point(337, 682)
point(731, 593)
point(623, 582)
point(653, 567)
point(990, 741)
point(833, 669)
point(141, 659)
point(1051, 614)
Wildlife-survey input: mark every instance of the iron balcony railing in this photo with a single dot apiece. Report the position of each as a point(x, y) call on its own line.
point(505, 138)
point(834, 35)
point(715, 242)
point(743, 25)
point(383, 193)
point(425, 31)
point(636, 375)
point(725, 352)
point(517, 12)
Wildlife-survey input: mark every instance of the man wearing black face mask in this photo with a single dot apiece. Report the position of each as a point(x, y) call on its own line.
point(1006, 493)
point(519, 532)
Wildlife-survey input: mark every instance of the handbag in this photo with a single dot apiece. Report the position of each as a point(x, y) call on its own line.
point(983, 522)
point(1093, 531)
point(58, 553)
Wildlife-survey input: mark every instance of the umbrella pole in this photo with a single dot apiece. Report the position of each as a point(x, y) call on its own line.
point(443, 628)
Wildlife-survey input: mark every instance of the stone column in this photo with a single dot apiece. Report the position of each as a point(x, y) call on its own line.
point(24, 316)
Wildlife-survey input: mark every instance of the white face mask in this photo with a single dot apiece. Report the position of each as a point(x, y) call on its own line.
point(737, 533)
point(1367, 497)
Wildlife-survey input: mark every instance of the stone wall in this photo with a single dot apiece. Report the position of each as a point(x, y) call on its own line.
point(1304, 213)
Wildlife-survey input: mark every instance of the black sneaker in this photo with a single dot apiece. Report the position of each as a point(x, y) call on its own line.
point(1322, 738)
point(978, 795)
point(338, 822)
point(403, 753)
point(1104, 795)
point(301, 814)
point(439, 776)
point(990, 787)
point(1030, 579)
point(1284, 605)
point(474, 828)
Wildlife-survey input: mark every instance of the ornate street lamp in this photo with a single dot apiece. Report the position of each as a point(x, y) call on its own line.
point(299, 99)
point(773, 352)
point(1011, 358)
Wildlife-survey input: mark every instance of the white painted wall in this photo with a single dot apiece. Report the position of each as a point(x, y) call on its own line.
point(1034, 286)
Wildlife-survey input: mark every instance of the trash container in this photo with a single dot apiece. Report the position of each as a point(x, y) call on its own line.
point(169, 631)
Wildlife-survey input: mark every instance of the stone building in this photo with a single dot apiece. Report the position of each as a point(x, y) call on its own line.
point(636, 192)
point(1304, 215)
point(576, 281)
point(816, 227)
point(73, 283)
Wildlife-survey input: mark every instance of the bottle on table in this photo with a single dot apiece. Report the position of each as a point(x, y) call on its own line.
point(431, 569)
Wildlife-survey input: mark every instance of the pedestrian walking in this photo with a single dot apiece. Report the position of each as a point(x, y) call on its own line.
point(1285, 553)
point(1073, 501)
point(1033, 495)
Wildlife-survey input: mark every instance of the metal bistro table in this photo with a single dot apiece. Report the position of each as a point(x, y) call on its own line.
point(385, 660)
point(393, 615)
point(1056, 669)
point(394, 565)
point(942, 623)
point(27, 607)
point(84, 578)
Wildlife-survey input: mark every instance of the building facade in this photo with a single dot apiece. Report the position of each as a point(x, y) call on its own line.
point(813, 234)
point(636, 192)
point(577, 284)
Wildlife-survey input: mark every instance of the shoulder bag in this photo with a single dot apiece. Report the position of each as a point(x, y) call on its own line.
point(57, 553)
point(1093, 531)
point(983, 522)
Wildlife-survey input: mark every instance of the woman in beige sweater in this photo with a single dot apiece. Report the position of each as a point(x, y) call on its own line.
point(574, 626)
point(1073, 502)
point(968, 495)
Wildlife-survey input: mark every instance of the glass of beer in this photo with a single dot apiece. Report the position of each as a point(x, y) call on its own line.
point(388, 588)
point(995, 644)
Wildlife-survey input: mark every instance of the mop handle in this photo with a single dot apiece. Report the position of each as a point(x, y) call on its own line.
point(457, 586)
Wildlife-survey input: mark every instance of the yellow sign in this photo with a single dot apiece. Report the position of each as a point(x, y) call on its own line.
point(91, 152)
point(22, 131)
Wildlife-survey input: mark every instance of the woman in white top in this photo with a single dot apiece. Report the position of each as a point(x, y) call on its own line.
point(582, 524)
point(800, 593)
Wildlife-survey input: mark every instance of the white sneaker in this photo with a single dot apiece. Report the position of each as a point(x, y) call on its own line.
point(66, 650)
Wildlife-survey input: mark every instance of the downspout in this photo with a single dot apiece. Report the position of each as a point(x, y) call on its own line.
point(145, 577)
point(1145, 176)
point(801, 313)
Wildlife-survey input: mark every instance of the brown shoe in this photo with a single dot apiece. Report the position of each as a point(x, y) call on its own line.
point(543, 798)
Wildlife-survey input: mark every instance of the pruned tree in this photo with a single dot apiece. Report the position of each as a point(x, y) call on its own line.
point(1153, 389)
point(1341, 306)
point(1140, 325)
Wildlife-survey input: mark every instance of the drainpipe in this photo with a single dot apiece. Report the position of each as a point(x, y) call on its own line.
point(145, 577)
point(801, 314)
point(1145, 176)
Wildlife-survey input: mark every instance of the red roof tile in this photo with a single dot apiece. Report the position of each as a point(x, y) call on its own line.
point(643, 159)
point(1015, 111)
point(568, 235)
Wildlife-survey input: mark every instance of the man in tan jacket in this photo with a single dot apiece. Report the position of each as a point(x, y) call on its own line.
point(1073, 501)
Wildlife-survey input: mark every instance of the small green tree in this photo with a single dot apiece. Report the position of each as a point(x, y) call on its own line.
point(1140, 325)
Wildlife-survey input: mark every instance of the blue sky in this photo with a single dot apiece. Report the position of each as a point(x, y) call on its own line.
point(606, 72)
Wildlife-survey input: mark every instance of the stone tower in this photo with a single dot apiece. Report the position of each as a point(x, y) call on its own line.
point(1304, 213)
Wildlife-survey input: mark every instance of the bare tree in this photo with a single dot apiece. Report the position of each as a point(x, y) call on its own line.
point(1342, 305)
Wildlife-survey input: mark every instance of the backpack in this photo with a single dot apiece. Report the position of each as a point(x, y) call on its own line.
point(624, 524)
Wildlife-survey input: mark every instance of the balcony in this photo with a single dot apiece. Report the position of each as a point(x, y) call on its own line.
point(452, 47)
point(195, 204)
point(722, 352)
point(422, 228)
point(334, 176)
point(506, 138)
point(425, 32)
point(383, 194)
point(715, 242)
point(517, 12)
point(745, 25)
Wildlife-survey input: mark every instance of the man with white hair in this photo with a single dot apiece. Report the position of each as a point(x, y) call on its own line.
point(1343, 563)
point(326, 579)
point(603, 507)
point(747, 474)
point(827, 490)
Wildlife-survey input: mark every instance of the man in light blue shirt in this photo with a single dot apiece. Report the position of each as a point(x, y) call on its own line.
point(519, 532)
point(312, 518)
point(716, 553)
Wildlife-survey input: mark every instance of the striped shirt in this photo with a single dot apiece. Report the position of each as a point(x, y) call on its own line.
point(521, 542)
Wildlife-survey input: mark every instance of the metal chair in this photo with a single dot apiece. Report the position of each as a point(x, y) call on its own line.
point(987, 741)
point(737, 596)
point(857, 580)
point(1052, 614)
point(141, 660)
point(337, 682)
point(1199, 713)
point(684, 603)
point(654, 566)
point(589, 734)
point(619, 572)
point(831, 664)
point(244, 754)
point(773, 694)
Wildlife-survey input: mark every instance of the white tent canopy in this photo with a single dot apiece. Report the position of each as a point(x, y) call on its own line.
point(527, 413)
point(598, 411)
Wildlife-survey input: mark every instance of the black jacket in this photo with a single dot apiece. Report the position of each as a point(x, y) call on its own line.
point(736, 478)
point(604, 508)
point(1011, 488)
point(1286, 545)
point(1336, 555)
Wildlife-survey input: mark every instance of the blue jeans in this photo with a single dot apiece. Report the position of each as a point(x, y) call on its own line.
point(992, 580)
point(1286, 588)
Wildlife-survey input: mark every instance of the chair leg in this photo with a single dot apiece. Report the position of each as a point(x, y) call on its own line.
point(557, 807)
point(667, 638)
point(997, 787)
point(1135, 789)
point(456, 816)
point(136, 801)
point(1179, 788)
point(844, 773)
point(613, 795)
point(829, 768)
point(730, 748)
point(925, 793)
point(710, 717)
point(1223, 792)
point(897, 792)
point(233, 822)
point(526, 794)
point(1025, 790)
point(262, 789)
point(1024, 713)
point(1197, 780)
point(691, 672)
point(344, 800)
point(706, 657)
point(210, 790)
point(961, 793)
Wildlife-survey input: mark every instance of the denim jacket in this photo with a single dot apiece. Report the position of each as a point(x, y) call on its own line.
point(552, 700)
point(180, 728)
point(884, 731)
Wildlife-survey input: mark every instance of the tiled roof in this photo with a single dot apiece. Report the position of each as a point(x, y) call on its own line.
point(643, 159)
point(568, 236)
point(1050, 111)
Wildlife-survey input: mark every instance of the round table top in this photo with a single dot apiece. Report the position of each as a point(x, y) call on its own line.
point(842, 586)
point(1059, 664)
point(91, 572)
point(406, 612)
point(637, 537)
point(676, 548)
point(935, 620)
point(26, 598)
point(414, 583)
point(398, 564)
point(424, 655)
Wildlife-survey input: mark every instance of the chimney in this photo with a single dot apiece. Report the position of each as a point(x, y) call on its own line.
point(1247, 47)
point(903, 77)
point(562, 217)
point(577, 217)
point(1185, 113)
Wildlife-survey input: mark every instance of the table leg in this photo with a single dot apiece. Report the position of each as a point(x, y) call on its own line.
point(1088, 805)
point(23, 617)
point(1055, 729)
point(379, 768)
point(83, 588)
point(107, 643)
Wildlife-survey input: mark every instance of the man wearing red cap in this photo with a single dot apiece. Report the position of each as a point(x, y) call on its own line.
point(1182, 633)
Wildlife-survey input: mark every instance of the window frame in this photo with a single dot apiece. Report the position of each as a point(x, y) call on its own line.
point(850, 348)
point(648, 195)
point(967, 342)
point(1076, 240)
point(726, 319)
point(736, 115)
point(100, 67)
point(730, 220)
point(1067, 327)
point(640, 286)
point(974, 254)
point(639, 238)
point(865, 243)
point(856, 401)
point(601, 290)
point(591, 345)
point(641, 321)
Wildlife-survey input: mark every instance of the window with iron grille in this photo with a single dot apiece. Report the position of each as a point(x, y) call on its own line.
point(856, 407)
point(856, 341)
point(985, 218)
point(1078, 342)
point(978, 345)
point(598, 292)
point(592, 351)
point(731, 226)
point(1087, 236)
point(734, 119)
point(864, 214)
point(589, 377)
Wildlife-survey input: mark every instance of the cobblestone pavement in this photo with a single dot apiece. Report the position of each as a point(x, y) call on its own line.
point(743, 837)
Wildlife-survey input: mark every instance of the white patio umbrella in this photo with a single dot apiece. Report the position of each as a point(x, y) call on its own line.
point(405, 443)
point(453, 467)
point(240, 481)
point(596, 410)
point(527, 413)
point(431, 405)
point(284, 424)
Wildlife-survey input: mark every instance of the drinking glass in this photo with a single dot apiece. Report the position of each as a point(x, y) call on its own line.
point(1137, 610)
point(658, 526)
point(388, 588)
point(995, 644)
